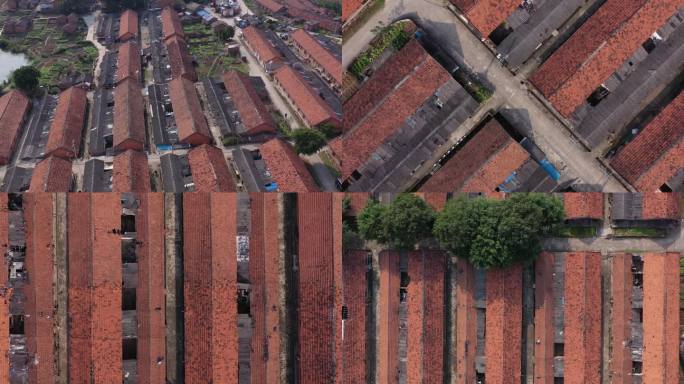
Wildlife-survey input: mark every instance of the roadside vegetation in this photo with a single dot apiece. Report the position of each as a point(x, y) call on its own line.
point(210, 51)
point(639, 232)
point(580, 232)
point(487, 232)
point(394, 37)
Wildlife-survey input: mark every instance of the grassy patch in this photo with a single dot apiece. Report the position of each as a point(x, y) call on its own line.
point(639, 232)
point(281, 125)
point(209, 52)
point(57, 55)
point(581, 232)
point(329, 163)
point(393, 36)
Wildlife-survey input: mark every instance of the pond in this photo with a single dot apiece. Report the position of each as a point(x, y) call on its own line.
point(9, 62)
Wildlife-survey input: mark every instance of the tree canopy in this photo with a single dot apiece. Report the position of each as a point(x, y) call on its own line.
point(308, 141)
point(117, 5)
point(26, 79)
point(498, 233)
point(402, 224)
point(224, 32)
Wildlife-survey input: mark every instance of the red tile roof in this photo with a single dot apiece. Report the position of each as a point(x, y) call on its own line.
point(262, 48)
point(657, 152)
point(129, 116)
point(319, 286)
point(661, 206)
point(416, 83)
point(187, 110)
point(504, 324)
point(4, 238)
point(319, 54)
point(621, 318)
point(4, 335)
point(355, 286)
point(661, 318)
point(270, 5)
point(486, 15)
point(583, 205)
point(483, 163)
point(150, 293)
point(264, 277)
point(67, 125)
point(307, 15)
point(349, 8)
point(131, 173)
point(51, 175)
point(543, 318)
point(252, 110)
point(128, 27)
point(314, 109)
point(357, 201)
point(128, 62)
point(286, 167)
point(210, 171)
point(618, 29)
point(180, 59)
point(415, 296)
point(95, 287)
point(466, 322)
point(582, 332)
point(171, 24)
point(39, 307)
point(210, 287)
point(13, 108)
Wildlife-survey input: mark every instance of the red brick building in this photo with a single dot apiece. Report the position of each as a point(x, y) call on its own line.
point(128, 25)
point(210, 171)
point(51, 175)
point(65, 136)
point(129, 116)
point(131, 173)
point(187, 110)
point(14, 107)
point(287, 169)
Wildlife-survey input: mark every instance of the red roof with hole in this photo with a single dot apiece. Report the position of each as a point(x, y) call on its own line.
point(621, 319)
point(504, 324)
point(129, 116)
point(480, 165)
point(354, 347)
point(131, 173)
point(286, 167)
point(180, 59)
point(67, 125)
point(128, 63)
point(543, 319)
point(657, 152)
point(664, 206)
point(388, 317)
point(171, 24)
point(258, 43)
point(95, 288)
point(264, 276)
point(314, 109)
point(13, 108)
point(210, 171)
point(583, 205)
point(582, 332)
point(128, 26)
point(210, 287)
point(270, 5)
point(51, 175)
point(466, 322)
point(252, 110)
point(661, 318)
point(150, 294)
point(330, 64)
point(393, 94)
point(319, 286)
point(187, 110)
point(38, 324)
point(486, 15)
point(415, 296)
point(598, 48)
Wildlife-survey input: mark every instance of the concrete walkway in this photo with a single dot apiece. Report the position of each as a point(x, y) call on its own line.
point(529, 115)
point(674, 242)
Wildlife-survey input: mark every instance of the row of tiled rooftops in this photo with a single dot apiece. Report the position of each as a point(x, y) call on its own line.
point(128, 25)
point(330, 64)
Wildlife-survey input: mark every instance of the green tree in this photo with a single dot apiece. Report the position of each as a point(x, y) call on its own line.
point(224, 32)
point(308, 141)
point(26, 79)
point(75, 6)
point(498, 233)
point(371, 222)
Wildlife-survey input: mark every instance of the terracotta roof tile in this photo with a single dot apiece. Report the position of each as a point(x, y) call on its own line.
point(314, 109)
point(319, 54)
point(187, 110)
point(323, 21)
point(486, 15)
point(583, 205)
point(128, 63)
point(661, 206)
point(4, 237)
point(252, 110)
point(349, 7)
point(544, 318)
point(131, 173)
point(466, 322)
point(128, 27)
point(270, 5)
point(67, 125)
point(180, 59)
point(621, 319)
point(357, 201)
point(481, 164)
point(4, 335)
point(656, 153)
point(210, 171)
point(51, 175)
point(13, 108)
point(286, 167)
point(388, 317)
point(171, 24)
point(262, 47)
point(413, 90)
point(129, 116)
point(355, 286)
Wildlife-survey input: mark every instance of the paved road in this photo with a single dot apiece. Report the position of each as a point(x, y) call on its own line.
point(510, 92)
point(322, 173)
